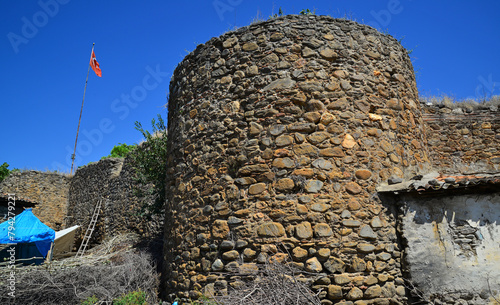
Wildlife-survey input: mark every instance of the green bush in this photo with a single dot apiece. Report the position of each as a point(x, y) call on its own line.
point(279, 14)
point(150, 161)
point(120, 151)
point(4, 171)
point(131, 298)
point(90, 300)
point(308, 12)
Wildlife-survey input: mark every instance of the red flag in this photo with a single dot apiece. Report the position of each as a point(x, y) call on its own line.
point(95, 65)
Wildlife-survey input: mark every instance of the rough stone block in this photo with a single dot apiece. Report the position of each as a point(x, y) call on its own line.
point(271, 229)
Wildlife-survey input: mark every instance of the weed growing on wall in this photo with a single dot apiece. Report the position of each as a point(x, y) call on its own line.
point(279, 14)
point(308, 12)
point(453, 103)
point(150, 159)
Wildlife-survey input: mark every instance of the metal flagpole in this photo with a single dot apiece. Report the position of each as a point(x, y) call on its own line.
point(80, 119)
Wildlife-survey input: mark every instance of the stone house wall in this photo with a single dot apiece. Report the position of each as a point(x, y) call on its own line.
point(452, 253)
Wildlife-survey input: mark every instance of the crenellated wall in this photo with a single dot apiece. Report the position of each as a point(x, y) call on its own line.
point(278, 134)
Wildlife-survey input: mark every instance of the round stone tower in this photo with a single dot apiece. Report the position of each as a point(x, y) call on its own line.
point(279, 133)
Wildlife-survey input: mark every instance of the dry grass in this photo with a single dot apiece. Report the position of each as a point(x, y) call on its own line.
point(453, 103)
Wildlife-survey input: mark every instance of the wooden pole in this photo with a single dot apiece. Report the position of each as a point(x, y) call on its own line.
point(81, 110)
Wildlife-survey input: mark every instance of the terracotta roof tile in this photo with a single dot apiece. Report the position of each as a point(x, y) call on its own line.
point(444, 182)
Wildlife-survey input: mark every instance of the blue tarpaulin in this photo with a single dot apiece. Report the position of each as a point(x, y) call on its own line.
point(27, 228)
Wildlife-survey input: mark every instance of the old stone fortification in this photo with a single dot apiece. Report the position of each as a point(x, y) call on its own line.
point(48, 190)
point(61, 201)
point(279, 133)
point(463, 140)
point(112, 181)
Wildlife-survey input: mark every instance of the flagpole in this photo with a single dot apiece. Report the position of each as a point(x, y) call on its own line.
point(81, 110)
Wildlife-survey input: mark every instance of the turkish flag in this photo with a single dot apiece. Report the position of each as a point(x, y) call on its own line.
point(95, 65)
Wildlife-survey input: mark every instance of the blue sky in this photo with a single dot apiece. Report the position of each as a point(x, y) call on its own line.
point(46, 48)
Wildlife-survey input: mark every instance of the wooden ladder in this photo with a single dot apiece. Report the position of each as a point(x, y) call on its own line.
point(90, 229)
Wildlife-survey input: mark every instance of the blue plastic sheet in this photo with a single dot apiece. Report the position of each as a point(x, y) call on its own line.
point(27, 228)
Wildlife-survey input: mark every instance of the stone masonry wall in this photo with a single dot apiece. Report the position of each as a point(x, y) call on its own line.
point(463, 140)
point(278, 134)
point(110, 180)
point(48, 190)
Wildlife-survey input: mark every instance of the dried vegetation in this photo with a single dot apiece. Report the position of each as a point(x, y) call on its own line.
point(491, 103)
point(109, 271)
point(274, 283)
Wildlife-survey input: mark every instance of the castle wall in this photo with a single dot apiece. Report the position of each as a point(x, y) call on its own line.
point(112, 181)
point(463, 141)
point(278, 134)
point(49, 192)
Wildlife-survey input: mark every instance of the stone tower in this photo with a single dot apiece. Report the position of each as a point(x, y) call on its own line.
point(278, 134)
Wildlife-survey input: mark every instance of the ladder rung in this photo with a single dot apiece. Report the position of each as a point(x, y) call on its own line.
point(90, 229)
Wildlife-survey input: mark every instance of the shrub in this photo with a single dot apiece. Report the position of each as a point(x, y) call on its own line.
point(150, 161)
point(120, 151)
point(131, 298)
point(90, 300)
point(4, 171)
